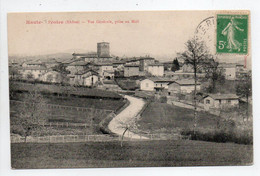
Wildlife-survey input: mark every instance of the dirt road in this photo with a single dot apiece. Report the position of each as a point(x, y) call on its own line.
point(130, 112)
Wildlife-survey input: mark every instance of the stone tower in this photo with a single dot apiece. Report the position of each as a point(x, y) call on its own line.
point(103, 49)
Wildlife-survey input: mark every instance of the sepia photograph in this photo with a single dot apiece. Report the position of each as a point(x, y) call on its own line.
point(130, 89)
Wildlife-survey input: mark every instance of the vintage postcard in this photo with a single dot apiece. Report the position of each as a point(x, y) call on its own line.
point(130, 89)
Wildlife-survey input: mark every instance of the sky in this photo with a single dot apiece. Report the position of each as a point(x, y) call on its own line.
point(160, 34)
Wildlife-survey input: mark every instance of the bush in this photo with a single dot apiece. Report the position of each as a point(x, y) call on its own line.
point(220, 136)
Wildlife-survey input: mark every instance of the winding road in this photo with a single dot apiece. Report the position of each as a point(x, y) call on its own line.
point(128, 114)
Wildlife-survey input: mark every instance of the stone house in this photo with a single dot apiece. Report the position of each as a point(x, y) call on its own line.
point(182, 86)
point(217, 101)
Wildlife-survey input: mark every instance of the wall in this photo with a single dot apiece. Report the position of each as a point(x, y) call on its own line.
point(230, 73)
point(189, 88)
point(156, 70)
point(147, 85)
point(131, 71)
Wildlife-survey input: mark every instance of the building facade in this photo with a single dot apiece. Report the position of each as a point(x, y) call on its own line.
point(147, 85)
point(218, 101)
point(156, 69)
point(182, 86)
point(131, 70)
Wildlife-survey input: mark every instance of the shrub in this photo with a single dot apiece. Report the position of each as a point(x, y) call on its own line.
point(220, 136)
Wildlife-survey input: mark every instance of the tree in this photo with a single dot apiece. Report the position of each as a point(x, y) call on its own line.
point(196, 55)
point(244, 89)
point(175, 65)
point(14, 73)
point(31, 114)
point(214, 74)
point(126, 126)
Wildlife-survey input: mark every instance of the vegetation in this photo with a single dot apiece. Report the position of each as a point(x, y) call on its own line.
point(30, 115)
point(197, 56)
point(175, 65)
point(127, 84)
point(158, 116)
point(132, 154)
point(244, 89)
point(60, 89)
point(214, 74)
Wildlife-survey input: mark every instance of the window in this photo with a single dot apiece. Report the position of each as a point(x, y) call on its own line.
point(147, 85)
point(229, 101)
point(219, 101)
point(207, 101)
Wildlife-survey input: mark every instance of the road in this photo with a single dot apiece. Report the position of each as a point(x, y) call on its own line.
point(128, 114)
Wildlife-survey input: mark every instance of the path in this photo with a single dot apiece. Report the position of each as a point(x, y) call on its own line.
point(130, 112)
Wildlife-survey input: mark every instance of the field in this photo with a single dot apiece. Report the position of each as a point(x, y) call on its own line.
point(92, 117)
point(161, 116)
point(132, 154)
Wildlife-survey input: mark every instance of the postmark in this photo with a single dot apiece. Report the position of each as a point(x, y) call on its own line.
point(205, 32)
point(232, 34)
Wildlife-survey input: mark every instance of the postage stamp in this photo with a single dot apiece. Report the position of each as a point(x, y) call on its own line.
point(232, 34)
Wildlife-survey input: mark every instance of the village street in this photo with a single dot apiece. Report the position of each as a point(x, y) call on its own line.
point(117, 125)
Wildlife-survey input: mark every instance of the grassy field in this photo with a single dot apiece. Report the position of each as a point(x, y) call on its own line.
point(92, 117)
point(164, 116)
point(132, 154)
point(108, 104)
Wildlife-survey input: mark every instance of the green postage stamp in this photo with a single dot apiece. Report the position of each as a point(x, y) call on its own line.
point(232, 34)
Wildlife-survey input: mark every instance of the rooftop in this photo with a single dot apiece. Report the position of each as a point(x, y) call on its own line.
point(86, 71)
point(186, 82)
point(156, 64)
point(131, 65)
point(160, 79)
point(222, 96)
point(78, 63)
point(34, 68)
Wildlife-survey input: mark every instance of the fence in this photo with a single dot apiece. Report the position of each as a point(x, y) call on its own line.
point(92, 138)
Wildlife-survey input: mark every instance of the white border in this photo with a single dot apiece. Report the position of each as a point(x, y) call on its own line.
point(123, 5)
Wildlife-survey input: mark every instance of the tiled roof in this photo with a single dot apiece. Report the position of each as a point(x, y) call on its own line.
point(186, 82)
point(160, 79)
point(34, 68)
point(86, 71)
point(156, 64)
point(103, 64)
point(131, 65)
point(222, 96)
point(79, 63)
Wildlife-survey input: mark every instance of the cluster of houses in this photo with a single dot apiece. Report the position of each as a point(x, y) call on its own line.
point(91, 69)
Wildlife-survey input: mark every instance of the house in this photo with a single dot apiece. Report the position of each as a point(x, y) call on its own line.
point(32, 72)
point(155, 83)
point(105, 69)
point(50, 63)
point(131, 70)
point(220, 100)
point(77, 66)
point(144, 62)
point(109, 74)
point(118, 65)
point(52, 77)
point(85, 78)
point(34, 64)
point(229, 70)
point(182, 86)
point(147, 85)
point(156, 69)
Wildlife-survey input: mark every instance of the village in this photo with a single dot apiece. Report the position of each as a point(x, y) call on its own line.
point(144, 75)
point(110, 104)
